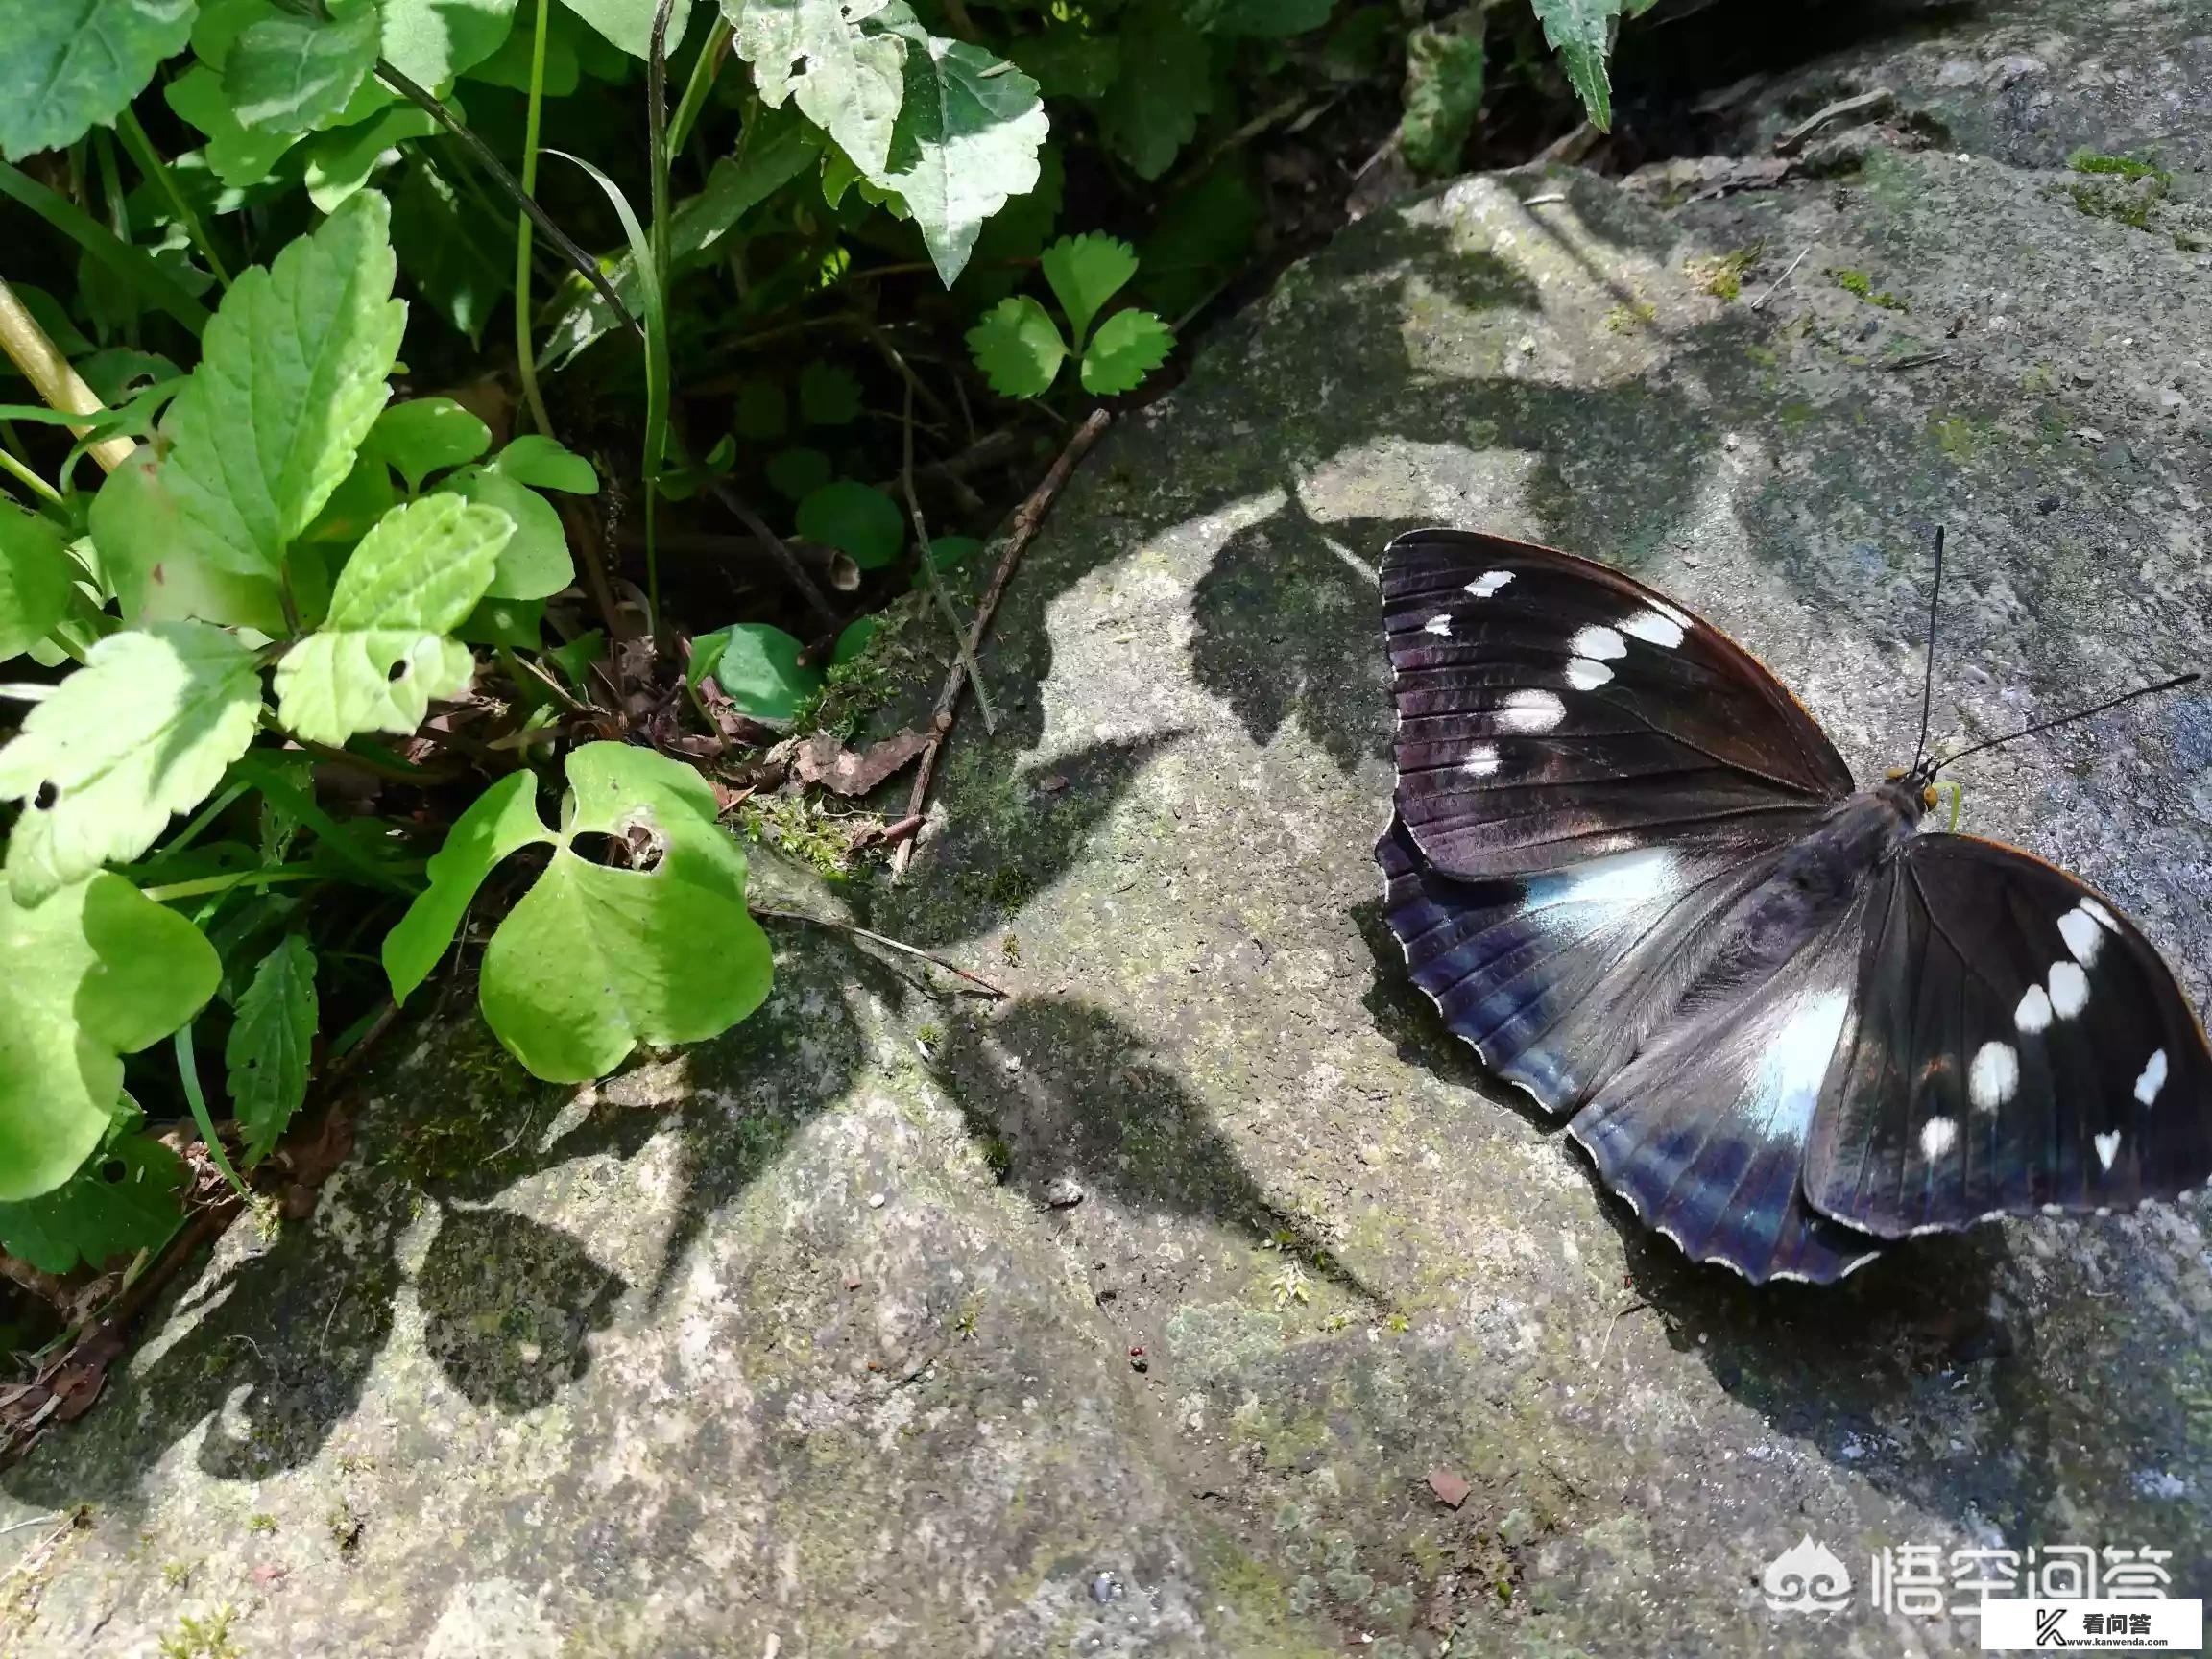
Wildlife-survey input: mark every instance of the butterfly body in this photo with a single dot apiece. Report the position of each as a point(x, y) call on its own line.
point(1788, 1026)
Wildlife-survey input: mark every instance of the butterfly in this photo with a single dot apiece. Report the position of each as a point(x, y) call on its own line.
point(1788, 1025)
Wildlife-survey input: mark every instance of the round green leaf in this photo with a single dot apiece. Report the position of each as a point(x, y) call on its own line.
point(71, 64)
point(854, 519)
point(544, 465)
point(797, 472)
point(536, 562)
point(947, 551)
point(829, 396)
point(426, 435)
point(855, 637)
point(757, 668)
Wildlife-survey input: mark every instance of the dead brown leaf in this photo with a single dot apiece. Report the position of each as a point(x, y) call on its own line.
point(822, 759)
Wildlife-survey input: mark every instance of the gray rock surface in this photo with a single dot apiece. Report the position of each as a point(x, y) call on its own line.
point(792, 1345)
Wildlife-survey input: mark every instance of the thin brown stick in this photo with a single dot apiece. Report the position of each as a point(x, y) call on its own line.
point(773, 544)
point(1019, 531)
point(961, 644)
point(883, 940)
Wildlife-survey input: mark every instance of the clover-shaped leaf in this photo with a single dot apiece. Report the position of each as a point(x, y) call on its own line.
point(95, 971)
point(598, 958)
point(1017, 347)
point(1086, 271)
point(144, 730)
point(383, 653)
point(1129, 345)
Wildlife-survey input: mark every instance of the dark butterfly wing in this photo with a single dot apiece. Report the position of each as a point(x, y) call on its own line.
point(2018, 1044)
point(1555, 978)
point(1705, 1132)
point(1551, 710)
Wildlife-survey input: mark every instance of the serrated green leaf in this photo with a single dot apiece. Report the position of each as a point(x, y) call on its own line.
point(70, 65)
point(1017, 347)
point(828, 395)
point(968, 132)
point(758, 668)
point(1444, 75)
point(122, 1199)
point(1266, 18)
point(291, 380)
point(381, 654)
point(289, 73)
point(1129, 345)
point(536, 562)
point(156, 571)
point(596, 960)
point(426, 435)
point(1165, 84)
point(96, 971)
point(35, 577)
point(847, 82)
point(1085, 272)
point(1581, 33)
point(545, 465)
point(337, 163)
point(270, 1040)
point(797, 472)
point(431, 41)
point(498, 822)
point(143, 730)
point(855, 519)
point(629, 23)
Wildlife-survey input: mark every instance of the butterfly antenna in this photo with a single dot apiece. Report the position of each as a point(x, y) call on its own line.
point(1928, 663)
point(2068, 719)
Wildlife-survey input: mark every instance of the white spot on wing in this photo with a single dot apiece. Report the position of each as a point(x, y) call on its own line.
point(1488, 583)
point(2098, 914)
point(1439, 625)
point(2033, 1014)
point(1482, 761)
point(1532, 712)
point(2108, 1148)
point(2082, 935)
point(1600, 643)
point(1681, 618)
point(1994, 1076)
point(1937, 1137)
point(1795, 1064)
point(1585, 675)
point(2154, 1078)
point(1655, 629)
point(2068, 989)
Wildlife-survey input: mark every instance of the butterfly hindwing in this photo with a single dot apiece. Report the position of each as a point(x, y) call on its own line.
point(1553, 710)
point(2019, 1046)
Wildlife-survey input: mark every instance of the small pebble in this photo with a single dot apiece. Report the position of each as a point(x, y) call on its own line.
point(1062, 1193)
point(1105, 1588)
point(875, 1200)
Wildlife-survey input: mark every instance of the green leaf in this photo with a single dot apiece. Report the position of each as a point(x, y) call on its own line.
point(1444, 71)
point(431, 41)
point(438, 246)
point(498, 822)
point(1017, 347)
point(1085, 272)
point(381, 654)
point(1581, 33)
point(270, 1040)
point(797, 472)
point(855, 519)
point(291, 380)
point(70, 65)
point(511, 66)
point(855, 636)
point(35, 578)
point(144, 730)
point(535, 564)
point(239, 156)
point(596, 960)
point(337, 163)
point(946, 552)
point(629, 23)
point(849, 84)
point(967, 133)
point(159, 574)
point(763, 412)
point(123, 1199)
point(758, 669)
point(828, 395)
point(96, 971)
point(517, 623)
point(545, 465)
point(292, 74)
point(1066, 62)
point(1259, 17)
point(1200, 240)
point(1165, 84)
point(426, 435)
point(1129, 345)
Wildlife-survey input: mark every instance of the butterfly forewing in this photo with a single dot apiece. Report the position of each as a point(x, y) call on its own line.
point(1552, 710)
point(2018, 1044)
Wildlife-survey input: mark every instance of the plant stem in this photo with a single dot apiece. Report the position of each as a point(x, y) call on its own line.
point(188, 1074)
point(929, 570)
point(50, 374)
point(526, 353)
point(703, 73)
point(657, 434)
point(149, 163)
point(28, 479)
point(201, 886)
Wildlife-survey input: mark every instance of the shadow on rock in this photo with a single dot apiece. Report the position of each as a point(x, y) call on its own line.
point(508, 1305)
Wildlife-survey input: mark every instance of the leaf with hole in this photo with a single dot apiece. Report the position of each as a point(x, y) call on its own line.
point(382, 654)
point(35, 577)
point(269, 1045)
point(291, 380)
point(849, 84)
point(1129, 345)
point(292, 73)
point(758, 668)
point(70, 65)
point(1581, 33)
point(1085, 272)
point(143, 730)
point(96, 971)
point(855, 519)
point(1017, 347)
point(497, 822)
point(545, 465)
point(426, 435)
point(122, 1199)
